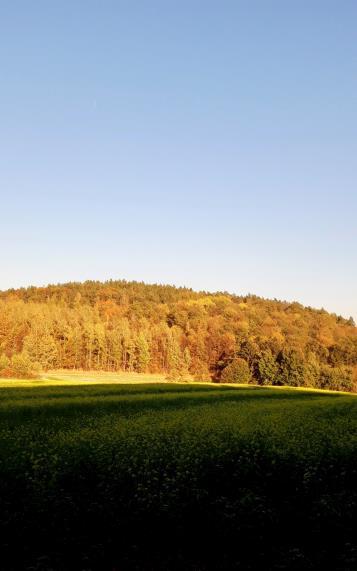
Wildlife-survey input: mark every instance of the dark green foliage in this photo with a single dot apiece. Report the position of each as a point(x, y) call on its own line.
point(336, 378)
point(344, 352)
point(312, 371)
point(142, 353)
point(172, 477)
point(291, 368)
point(237, 371)
point(267, 369)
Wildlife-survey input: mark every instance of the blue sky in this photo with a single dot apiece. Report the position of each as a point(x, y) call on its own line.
point(211, 144)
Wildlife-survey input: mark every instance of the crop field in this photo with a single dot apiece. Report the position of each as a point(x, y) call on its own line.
point(159, 476)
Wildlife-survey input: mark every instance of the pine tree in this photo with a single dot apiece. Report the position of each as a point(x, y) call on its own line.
point(142, 353)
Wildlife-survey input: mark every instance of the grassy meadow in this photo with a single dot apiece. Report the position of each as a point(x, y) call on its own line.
point(101, 474)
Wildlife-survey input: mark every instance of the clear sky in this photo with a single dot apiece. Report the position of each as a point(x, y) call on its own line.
point(204, 143)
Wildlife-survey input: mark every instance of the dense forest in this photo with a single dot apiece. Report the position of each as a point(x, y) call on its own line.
point(131, 326)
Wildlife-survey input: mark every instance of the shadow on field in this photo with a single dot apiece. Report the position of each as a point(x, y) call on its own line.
point(191, 491)
point(128, 400)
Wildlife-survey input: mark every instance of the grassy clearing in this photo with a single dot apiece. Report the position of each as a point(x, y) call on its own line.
point(65, 377)
point(104, 377)
point(168, 476)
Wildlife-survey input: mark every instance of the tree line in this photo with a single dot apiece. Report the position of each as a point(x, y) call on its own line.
point(131, 326)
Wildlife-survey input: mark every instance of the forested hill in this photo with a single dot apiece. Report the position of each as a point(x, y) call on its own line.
point(130, 326)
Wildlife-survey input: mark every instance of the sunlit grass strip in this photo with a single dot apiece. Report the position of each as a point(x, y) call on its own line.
point(92, 378)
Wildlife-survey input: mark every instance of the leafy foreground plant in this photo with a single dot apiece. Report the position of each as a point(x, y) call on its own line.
point(177, 477)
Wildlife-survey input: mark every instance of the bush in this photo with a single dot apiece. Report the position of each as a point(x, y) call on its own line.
point(4, 364)
point(23, 368)
point(201, 373)
point(237, 371)
point(336, 378)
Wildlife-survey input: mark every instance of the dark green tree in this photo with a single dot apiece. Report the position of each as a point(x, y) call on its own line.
point(237, 371)
point(268, 368)
point(291, 369)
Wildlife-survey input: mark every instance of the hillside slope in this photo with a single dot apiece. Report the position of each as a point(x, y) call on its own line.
point(131, 326)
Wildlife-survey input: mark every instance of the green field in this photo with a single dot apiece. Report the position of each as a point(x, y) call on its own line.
point(117, 476)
